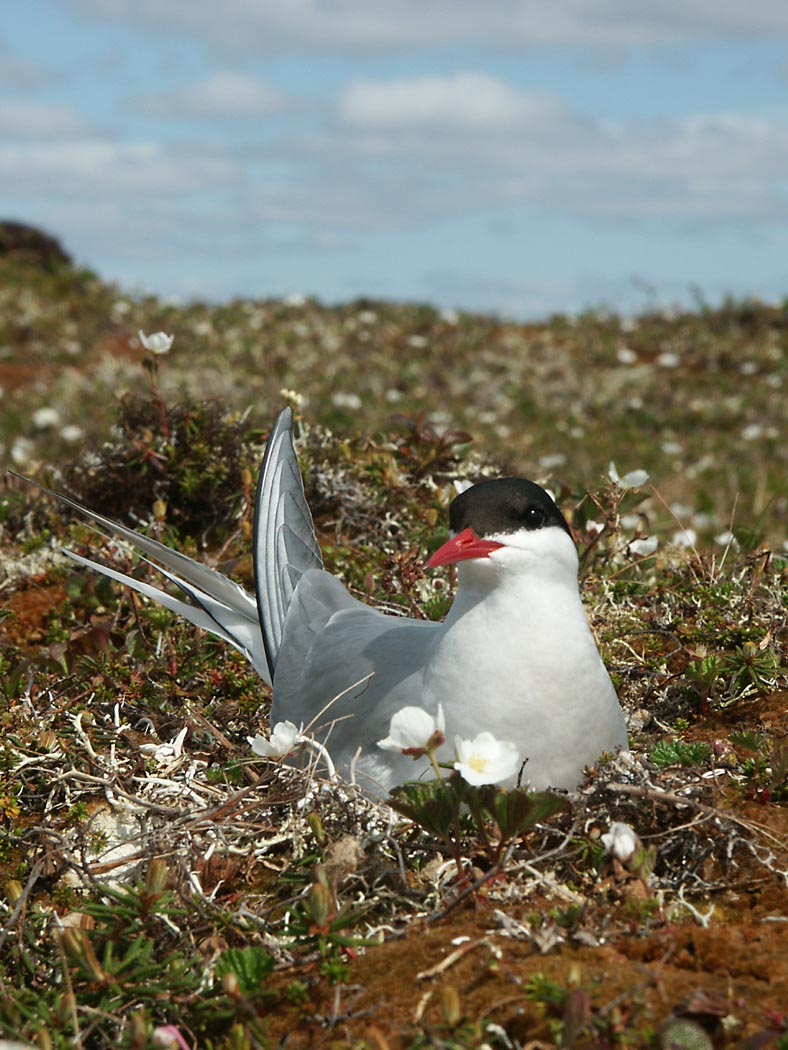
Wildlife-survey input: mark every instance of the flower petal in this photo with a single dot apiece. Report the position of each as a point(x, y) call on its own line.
point(412, 728)
point(621, 841)
point(157, 342)
point(284, 738)
point(485, 760)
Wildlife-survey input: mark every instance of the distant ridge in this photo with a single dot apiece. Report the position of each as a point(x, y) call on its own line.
point(28, 244)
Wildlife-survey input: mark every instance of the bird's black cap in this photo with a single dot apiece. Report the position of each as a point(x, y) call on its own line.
point(504, 505)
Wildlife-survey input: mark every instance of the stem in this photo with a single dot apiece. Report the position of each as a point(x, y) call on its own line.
point(435, 765)
point(320, 749)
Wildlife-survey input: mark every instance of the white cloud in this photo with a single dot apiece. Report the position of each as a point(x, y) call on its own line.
point(26, 119)
point(458, 100)
point(245, 25)
point(221, 95)
point(445, 145)
point(107, 170)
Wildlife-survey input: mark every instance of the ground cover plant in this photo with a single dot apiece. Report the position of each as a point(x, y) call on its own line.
point(161, 884)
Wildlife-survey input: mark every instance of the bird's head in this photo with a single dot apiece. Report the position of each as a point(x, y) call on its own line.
point(510, 524)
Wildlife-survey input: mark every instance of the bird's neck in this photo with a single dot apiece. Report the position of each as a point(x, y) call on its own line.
point(512, 637)
point(533, 600)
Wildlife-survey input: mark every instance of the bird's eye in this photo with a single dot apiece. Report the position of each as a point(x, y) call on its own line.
point(535, 517)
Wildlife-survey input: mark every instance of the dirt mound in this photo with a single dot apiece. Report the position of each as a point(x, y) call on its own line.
point(27, 244)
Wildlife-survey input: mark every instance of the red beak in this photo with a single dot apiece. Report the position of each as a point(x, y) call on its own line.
point(464, 545)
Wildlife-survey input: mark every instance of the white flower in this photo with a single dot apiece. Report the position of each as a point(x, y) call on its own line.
point(621, 841)
point(667, 359)
point(343, 400)
point(554, 459)
point(485, 760)
point(168, 1036)
point(642, 548)
point(46, 417)
point(284, 738)
point(163, 754)
point(71, 432)
point(685, 538)
point(726, 539)
point(158, 343)
point(296, 400)
point(22, 451)
point(633, 480)
point(414, 729)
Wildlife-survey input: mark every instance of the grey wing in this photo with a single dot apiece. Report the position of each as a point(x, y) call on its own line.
point(221, 606)
point(345, 669)
point(285, 545)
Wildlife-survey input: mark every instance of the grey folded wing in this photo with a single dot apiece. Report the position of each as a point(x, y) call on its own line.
point(344, 669)
point(285, 545)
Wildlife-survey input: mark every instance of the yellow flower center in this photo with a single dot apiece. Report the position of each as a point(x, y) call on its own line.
point(478, 763)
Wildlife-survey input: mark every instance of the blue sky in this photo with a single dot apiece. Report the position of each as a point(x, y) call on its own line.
point(517, 157)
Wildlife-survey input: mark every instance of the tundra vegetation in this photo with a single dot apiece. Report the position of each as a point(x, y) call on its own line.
point(163, 884)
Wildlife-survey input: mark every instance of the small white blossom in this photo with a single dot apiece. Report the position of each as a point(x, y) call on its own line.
point(553, 459)
point(680, 510)
point(726, 539)
point(642, 548)
point(71, 433)
point(296, 400)
point(343, 400)
point(672, 448)
point(22, 451)
point(157, 343)
point(485, 760)
point(621, 841)
point(46, 417)
point(284, 738)
point(752, 432)
point(668, 360)
point(168, 1036)
point(163, 754)
point(633, 480)
point(413, 729)
point(685, 538)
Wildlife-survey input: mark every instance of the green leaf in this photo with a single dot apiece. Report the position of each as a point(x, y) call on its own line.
point(249, 965)
point(679, 753)
point(434, 804)
point(514, 811)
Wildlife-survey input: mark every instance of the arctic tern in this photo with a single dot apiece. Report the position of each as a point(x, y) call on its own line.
point(514, 656)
